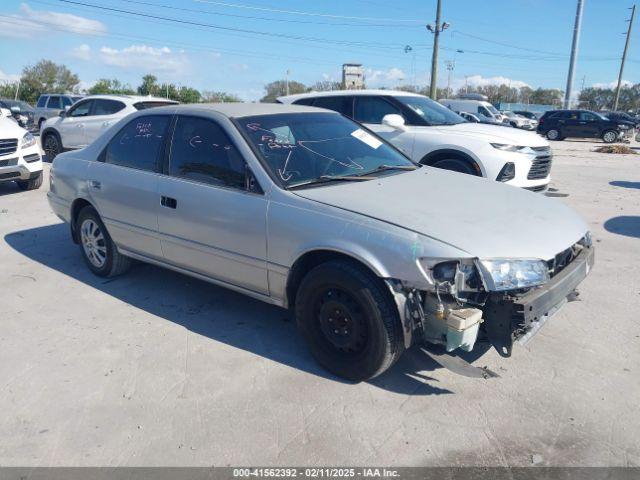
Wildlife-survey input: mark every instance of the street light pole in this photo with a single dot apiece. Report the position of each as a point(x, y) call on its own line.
point(574, 53)
point(624, 58)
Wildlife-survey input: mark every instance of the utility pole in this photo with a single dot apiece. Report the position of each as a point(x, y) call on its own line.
point(624, 58)
point(434, 57)
point(17, 90)
point(574, 53)
point(287, 81)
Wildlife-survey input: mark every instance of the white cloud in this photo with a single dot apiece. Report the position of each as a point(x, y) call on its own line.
point(480, 81)
point(383, 78)
point(614, 84)
point(9, 77)
point(29, 23)
point(144, 57)
point(83, 52)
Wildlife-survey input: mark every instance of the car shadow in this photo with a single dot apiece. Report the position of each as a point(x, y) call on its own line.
point(9, 188)
point(211, 311)
point(627, 225)
point(625, 184)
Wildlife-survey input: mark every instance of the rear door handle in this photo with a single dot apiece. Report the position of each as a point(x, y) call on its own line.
point(168, 202)
point(95, 184)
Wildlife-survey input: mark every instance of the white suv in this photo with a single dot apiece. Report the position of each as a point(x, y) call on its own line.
point(20, 160)
point(433, 135)
point(81, 124)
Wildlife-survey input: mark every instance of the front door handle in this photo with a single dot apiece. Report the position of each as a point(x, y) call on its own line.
point(95, 184)
point(168, 202)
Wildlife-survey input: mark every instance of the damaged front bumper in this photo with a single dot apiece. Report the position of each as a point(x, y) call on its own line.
point(510, 318)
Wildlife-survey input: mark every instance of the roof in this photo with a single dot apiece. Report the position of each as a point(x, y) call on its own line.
point(236, 110)
point(335, 93)
point(133, 98)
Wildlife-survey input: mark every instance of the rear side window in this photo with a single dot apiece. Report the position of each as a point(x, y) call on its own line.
point(145, 105)
point(107, 107)
point(55, 102)
point(340, 104)
point(304, 101)
point(138, 144)
point(42, 101)
point(372, 109)
point(67, 102)
point(202, 151)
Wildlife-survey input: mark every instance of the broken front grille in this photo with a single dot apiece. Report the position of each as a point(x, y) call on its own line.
point(540, 167)
point(8, 146)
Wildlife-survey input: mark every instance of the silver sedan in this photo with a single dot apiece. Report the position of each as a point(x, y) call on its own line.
point(306, 209)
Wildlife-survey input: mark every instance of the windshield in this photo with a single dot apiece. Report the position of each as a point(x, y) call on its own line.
point(431, 112)
point(492, 109)
point(24, 106)
point(299, 148)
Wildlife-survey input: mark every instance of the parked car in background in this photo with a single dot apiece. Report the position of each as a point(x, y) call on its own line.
point(527, 114)
point(518, 121)
point(475, 118)
point(432, 134)
point(21, 111)
point(50, 105)
point(622, 117)
point(560, 124)
point(477, 107)
point(88, 118)
point(305, 209)
point(20, 160)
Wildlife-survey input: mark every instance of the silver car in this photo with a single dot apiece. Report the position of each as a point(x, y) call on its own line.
point(303, 208)
point(50, 105)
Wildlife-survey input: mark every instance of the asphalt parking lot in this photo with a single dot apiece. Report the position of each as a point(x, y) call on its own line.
point(155, 368)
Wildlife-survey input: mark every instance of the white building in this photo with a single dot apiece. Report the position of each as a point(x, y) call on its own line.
point(352, 76)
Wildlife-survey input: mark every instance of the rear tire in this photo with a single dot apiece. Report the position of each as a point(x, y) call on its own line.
point(610, 136)
point(31, 184)
point(553, 134)
point(455, 165)
point(349, 320)
point(98, 250)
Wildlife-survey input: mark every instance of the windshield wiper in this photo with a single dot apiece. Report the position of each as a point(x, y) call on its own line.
point(384, 168)
point(332, 178)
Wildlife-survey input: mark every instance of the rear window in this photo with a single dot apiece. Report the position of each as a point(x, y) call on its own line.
point(145, 105)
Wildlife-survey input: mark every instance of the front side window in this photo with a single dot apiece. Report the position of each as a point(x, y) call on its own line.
point(373, 109)
point(107, 107)
point(203, 152)
point(42, 101)
point(138, 143)
point(81, 109)
point(301, 148)
point(55, 102)
point(588, 117)
point(433, 113)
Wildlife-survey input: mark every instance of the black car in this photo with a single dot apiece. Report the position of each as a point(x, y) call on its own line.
point(622, 117)
point(560, 124)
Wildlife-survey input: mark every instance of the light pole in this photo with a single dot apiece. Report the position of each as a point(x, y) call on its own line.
point(624, 58)
point(434, 57)
point(287, 80)
point(574, 53)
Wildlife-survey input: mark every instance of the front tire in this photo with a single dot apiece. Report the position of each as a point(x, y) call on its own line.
point(610, 136)
point(455, 165)
point(98, 250)
point(349, 320)
point(31, 184)
point(51, 145)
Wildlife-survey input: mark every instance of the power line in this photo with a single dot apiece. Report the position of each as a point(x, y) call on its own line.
point(233, 29)
point(299, 12)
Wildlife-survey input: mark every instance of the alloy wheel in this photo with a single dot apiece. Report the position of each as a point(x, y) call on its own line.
point(93, 243)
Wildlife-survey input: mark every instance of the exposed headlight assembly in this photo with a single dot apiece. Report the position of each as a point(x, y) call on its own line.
point(28, 141)
point(622, 126)
point(500, 274)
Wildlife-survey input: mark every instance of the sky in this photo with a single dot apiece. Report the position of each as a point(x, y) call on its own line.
point(238, 46)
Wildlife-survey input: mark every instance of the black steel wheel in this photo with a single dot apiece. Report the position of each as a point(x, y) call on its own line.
point(51, 146)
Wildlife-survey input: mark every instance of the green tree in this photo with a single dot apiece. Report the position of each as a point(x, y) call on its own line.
point(189, 95)
point(325, 86)
point(149, 85)
point(46, 77)
point(220, 97)
point(110, 86)
point(279, 88)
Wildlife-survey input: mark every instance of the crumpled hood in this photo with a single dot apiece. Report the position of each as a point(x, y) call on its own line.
point(484, 218)
point(10, 129)
point(495, 134)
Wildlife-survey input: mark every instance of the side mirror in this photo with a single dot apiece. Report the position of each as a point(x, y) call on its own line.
point(62, 113)
point(15, 109)
point(394, 121)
